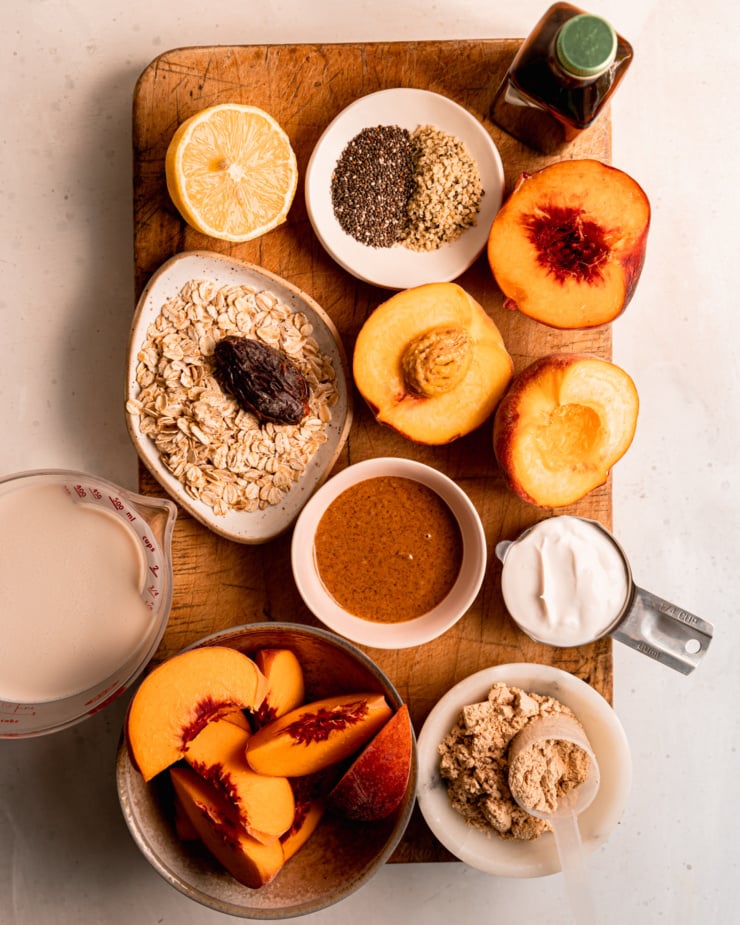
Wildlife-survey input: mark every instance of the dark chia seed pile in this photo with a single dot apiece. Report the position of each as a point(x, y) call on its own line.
point(372, 184)
point(420, 189)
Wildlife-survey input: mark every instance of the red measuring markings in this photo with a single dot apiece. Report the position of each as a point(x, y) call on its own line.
point(10, 709)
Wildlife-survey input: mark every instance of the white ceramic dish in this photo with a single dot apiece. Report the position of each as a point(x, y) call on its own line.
point(412, 632)
point(510, 857)
point(240, 526)
point(398, 267)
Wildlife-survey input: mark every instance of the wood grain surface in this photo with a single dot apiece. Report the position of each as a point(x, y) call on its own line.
point(219, 583)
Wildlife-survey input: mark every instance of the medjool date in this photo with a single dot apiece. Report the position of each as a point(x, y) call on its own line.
point(263, 380)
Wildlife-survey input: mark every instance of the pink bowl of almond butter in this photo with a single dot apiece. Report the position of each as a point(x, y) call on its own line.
point(389, 553)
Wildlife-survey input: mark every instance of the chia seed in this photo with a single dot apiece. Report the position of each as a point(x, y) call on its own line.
point(372, 183)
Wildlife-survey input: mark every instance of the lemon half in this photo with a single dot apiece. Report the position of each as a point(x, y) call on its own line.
point(231, 172)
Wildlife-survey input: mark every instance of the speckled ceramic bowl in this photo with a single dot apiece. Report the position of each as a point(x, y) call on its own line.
point(262, 525)
point(340, 856)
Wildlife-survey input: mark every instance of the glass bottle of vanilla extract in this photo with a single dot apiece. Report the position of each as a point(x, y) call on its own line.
point(561, 78)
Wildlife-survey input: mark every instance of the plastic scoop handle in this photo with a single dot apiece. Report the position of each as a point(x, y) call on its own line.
point(564, 819)
point(577, 888)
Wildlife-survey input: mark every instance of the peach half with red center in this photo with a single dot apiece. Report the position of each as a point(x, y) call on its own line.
point(568, 246)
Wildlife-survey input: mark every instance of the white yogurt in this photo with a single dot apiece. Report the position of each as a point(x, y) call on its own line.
point(565, 582)
point(71, 607)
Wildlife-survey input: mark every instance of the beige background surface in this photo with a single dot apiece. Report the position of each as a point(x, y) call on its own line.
point(66, 301)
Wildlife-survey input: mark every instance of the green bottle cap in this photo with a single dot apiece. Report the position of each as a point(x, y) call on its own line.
point(586, 45)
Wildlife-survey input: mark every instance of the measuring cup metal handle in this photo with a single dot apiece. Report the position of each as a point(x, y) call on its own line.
point(664, 632)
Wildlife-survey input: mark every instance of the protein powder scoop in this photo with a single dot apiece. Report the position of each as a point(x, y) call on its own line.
point(554, 775)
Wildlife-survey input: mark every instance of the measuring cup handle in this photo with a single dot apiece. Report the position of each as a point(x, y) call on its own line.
point(665, 632)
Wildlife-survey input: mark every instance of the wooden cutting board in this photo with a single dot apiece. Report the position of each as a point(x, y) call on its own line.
point(219, 583)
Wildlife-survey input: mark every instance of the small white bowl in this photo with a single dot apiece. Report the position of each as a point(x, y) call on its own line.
point(408, 633)
point(513, 857)
point(240, 526)
point(399, 267)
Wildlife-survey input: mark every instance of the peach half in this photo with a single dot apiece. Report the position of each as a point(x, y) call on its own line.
point(314, 736)
point(568, 246)
point(564, 422)
point(431, 364)
point(180, 696)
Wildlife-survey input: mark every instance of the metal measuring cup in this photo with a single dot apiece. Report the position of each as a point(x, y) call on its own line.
point(648, 623)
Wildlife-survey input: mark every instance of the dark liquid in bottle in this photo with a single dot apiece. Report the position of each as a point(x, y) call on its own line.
point(539, 102)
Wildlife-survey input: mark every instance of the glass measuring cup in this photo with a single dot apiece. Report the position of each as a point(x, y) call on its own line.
point(638, 618)
point(562, 813)
point(58, 607)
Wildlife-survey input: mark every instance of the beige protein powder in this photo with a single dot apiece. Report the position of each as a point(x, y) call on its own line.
point(474, 763)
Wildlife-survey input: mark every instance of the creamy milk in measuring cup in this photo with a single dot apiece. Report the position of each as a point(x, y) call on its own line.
point(566, 582)
point(85, 592)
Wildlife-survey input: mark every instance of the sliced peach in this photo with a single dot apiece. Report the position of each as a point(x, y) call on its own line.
point(238, 718)
point(568, 246)
point(246, 859)
point(285, 686)
point(181, 695)
point(375, 783)
point(183, 826)
point(431, 364)
point(263, 806)
point(565, 421)
point(309, 811)
point(297, 836)
point(314, 736)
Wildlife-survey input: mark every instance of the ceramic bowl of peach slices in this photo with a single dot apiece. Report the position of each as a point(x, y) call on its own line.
point(268, 770)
